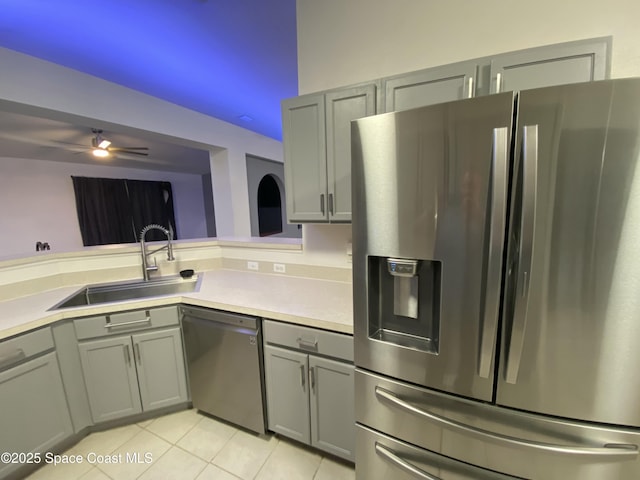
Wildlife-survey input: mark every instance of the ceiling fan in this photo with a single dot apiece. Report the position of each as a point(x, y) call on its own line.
point(101, 147)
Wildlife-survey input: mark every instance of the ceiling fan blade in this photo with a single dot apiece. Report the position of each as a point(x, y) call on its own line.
point(127, 151)
point(128, 148)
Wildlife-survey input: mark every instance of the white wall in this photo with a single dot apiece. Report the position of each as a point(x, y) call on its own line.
point(342, 42)
point(37, 203)
point(30, 84)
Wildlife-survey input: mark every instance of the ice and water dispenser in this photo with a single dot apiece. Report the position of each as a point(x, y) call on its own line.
point(404, 301)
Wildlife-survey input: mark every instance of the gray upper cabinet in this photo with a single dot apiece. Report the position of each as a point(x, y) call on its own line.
point(572, 62)
point(342, 107)
point(317, 152)
point(305, 167)
point(34, 416)
point(316, 127)
point(431, 86)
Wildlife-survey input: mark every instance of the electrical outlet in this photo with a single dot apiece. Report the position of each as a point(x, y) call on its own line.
point(279, 267)
point(252, 265)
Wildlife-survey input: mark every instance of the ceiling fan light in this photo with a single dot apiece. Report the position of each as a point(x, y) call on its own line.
point(100, 152)
point(104, 144)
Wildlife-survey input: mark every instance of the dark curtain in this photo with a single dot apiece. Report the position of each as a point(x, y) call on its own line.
point(152, 202)
point(116, 210)
point(103, 210)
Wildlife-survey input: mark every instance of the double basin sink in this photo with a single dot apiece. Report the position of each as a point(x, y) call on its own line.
point(117, 292)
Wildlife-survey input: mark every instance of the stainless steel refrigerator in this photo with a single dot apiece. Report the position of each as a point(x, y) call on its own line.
point(496, 268)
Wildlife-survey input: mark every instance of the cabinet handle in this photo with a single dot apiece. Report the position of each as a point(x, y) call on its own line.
point(498, 82)
point(127, 355)
point(126, 324)
point(331, 204)
point(470, 84)
point(307, 344)
point(302, 380)
point(322, 203)
point(312, 379)
point(136, 349)
point(12, 358)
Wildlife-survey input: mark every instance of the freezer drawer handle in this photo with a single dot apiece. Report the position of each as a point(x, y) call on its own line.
point(619, 451)
point(411, 469)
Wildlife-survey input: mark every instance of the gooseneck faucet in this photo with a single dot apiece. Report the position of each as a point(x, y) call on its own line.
point(146, 268)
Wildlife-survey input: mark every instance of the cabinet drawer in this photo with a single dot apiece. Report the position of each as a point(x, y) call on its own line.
point(307, 339)
point(16, 349)
point(124, 322)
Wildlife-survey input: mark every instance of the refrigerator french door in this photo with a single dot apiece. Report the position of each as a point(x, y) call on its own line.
point(430, 213)
point(496, 286)
point(572, 315)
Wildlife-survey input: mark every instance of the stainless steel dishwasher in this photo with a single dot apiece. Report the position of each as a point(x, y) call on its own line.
point(224, 362)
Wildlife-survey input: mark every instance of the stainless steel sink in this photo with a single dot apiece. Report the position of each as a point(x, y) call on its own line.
point(117, 292)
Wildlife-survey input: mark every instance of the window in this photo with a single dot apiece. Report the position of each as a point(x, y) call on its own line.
point(114, 210)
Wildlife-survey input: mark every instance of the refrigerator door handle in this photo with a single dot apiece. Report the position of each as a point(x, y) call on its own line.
point(402, 464)
point(496, 244)
point(525, 260)
point(620, 451)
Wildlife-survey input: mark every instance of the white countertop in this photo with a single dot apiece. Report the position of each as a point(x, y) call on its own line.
point(305, 301)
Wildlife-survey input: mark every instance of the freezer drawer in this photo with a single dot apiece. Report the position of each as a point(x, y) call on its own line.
point(380, 457)
point(495, 438)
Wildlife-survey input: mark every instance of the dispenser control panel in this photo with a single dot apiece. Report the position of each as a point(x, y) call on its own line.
point(402, 267)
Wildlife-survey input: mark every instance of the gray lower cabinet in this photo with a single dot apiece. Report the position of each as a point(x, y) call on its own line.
point(332, 406)
point(160, 367)
point(129, 374)
point(34, 416)
point(288, 393)
point(310, 398)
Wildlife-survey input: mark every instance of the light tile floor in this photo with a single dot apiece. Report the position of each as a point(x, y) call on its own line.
point(188, 445)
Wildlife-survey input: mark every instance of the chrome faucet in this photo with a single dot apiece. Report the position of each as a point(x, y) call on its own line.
point(146, 268)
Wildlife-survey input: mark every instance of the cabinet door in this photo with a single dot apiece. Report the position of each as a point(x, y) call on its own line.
point(287, 393)
point(343, 107)
point(305, 159)
point(160, 365)
point(110, 376)
point(333, 422)
point(552, 65)
point(428, 87)
point(34, 416)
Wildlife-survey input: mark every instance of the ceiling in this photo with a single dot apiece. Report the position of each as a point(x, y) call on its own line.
point(234, 60)
point(23, 136)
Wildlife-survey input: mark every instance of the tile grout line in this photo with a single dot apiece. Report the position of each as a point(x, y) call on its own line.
point(210, 462)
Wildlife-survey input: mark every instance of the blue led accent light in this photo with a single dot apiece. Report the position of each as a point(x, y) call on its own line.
point(223, 58)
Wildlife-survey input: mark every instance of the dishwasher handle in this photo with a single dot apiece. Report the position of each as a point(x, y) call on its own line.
point(245, 328)
point(240, 323)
